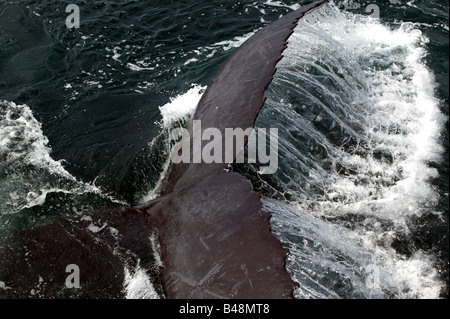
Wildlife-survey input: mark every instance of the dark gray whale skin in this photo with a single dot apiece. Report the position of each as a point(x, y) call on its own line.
point(214, 237)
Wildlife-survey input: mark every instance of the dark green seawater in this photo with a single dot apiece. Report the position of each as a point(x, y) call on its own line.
point(361, 194)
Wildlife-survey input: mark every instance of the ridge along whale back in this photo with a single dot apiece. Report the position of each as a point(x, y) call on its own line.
point(215, 238)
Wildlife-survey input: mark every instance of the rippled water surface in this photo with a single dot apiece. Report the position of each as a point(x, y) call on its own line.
point(361, 103)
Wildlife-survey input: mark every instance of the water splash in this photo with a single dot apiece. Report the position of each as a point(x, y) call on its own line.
point(28, 173)
point(363, 127)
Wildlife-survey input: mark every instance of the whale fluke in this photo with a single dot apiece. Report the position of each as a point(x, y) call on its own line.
point(214, 237)
point(235, 96)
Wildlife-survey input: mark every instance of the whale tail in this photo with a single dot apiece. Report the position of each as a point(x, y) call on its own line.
point(215, 238)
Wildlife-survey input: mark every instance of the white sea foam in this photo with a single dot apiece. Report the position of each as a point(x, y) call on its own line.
point(157, 249)
point(138, 285)
point(21, 138)
point(180, 108)
point(225, 45)
point(280, 4)
point(399, 97)
point(235, 42)
point(135, 67)
point(192, 60)
point(32, 173)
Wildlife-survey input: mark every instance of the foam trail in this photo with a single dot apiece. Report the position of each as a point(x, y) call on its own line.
point(175, 115)
point(366, 82)
point(225, 45)
point(235, 42)
point(31, 173)
point(181, 107)
point(21, 138)
point(138, 285)
point(282, 5)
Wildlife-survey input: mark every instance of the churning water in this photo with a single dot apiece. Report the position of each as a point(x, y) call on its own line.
point(361, 104)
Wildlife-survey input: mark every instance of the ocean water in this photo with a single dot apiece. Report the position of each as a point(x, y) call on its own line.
point(360, 100)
